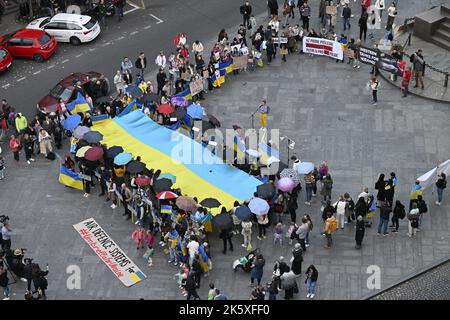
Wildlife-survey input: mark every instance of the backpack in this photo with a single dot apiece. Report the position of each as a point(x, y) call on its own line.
point(351, 205)
point(402, 213)
point(51, 156)
point(242, 9)
point(333, 225)
point(423, 208)
point(411, 58)
point(415, 223)
point(328, 186)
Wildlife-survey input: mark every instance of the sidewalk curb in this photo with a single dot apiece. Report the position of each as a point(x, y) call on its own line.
point(413, 275)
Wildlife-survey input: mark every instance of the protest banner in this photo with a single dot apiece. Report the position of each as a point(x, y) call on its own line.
point(196, 86)
point(109, 252)
point(331, 10)
point(323, 47)
point(280, 40)
point(380, 59)
point(240, 62)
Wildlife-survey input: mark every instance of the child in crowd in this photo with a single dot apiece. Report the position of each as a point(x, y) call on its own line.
point(278, 233)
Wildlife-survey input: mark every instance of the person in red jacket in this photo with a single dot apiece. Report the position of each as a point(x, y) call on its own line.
point(405, 82)
point(14, 144)
point(365, 4)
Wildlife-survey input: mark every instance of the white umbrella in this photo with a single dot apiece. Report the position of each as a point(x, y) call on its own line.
point(258, 206)
point(305, 167)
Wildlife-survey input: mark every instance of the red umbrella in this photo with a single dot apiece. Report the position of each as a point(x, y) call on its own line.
point(166, 195)
point(143, 181)
point(165, 109)
point(94, 154)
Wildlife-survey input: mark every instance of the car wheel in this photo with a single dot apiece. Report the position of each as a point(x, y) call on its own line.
point(38, 58)
point(75, 41)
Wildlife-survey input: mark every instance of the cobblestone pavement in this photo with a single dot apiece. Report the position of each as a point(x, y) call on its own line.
point(432, 285)
point(324, 107)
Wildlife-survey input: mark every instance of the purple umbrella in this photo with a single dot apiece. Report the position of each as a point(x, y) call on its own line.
point(179, 101)
point(286, 184)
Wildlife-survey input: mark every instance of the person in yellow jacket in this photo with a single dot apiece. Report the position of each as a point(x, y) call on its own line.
point(21, 123)
point(330, 228)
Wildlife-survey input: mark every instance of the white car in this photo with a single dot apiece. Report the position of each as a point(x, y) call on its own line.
point(68, 27)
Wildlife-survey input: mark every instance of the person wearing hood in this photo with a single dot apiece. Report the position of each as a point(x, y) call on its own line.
point(297, 259)
point(399, 213)
point(380, 185)
point(360, 230)
point(21, 123)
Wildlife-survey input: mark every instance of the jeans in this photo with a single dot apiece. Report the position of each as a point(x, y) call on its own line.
point(302, 243)
point(119, 12)
point(141, 73)
point(307, 238)
point(383, 222)
point(272, 296)
point(346, 23)
point(374, 96)
point(311, 286)
point(173, 255)
point(6, 291)
point(329, 239)
point(253, 280)
point(440, 193)
point(309, 190)
point(327, 197)
point(395, 222)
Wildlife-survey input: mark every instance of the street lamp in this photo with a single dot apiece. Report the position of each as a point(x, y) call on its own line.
point(290, 146)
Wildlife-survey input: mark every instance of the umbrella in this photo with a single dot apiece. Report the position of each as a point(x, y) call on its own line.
point(266, 190)
point(113, 151)
point(179, 101)
point(243, 213)
point(151, 97)
point(82, 143)
point(122, 158)
point(195, 111)
point(143, 181)
point(93, 136)
point(94, 154)
point(213, 120)
point(178, 113)
point(165, 109)
point(292, 174)
point(80, 131)
point(223, 221)
point(81, 152)
point(134, 91)
point(305, 167)
point(258, 206)
point(166, 195)
point(169, 176)
point(104, 99)
point(162, 185)
point(186, 204)
point(286, 184)
point(135, 166)
point(72, 122)
point(210, 203)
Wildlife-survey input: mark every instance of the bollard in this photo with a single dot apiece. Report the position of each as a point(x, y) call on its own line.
point(446, 80)
point(409, 39)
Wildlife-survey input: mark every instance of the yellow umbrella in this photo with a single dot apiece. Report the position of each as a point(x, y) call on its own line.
point(80, 153)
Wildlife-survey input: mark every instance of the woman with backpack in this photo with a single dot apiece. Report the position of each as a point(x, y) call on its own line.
point(441, 184)
point(413, 217)
point(398, 213)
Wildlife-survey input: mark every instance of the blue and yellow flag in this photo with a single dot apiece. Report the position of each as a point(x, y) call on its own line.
point(130, 107)
point(79, 105)
point(186, 94)
point(69, 178)
point(239, 147)
point(267, 152)
point(227, 66)
point(218, 78)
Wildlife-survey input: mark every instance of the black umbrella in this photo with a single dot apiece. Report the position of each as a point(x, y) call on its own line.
point(179, 113)
point(243, 213)
point(266, 190)
point(213, 120)
point(161, 185)
point(151, 97)
point(210, 203)
point(135, 166)
point(113, 151)
point(104, 99)
point(223, 221)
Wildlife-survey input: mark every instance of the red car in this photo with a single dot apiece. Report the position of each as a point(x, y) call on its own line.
point(5, 59)
point(65, 89)
point(31, 44)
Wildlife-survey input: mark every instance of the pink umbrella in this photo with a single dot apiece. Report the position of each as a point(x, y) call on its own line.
point(286, 184)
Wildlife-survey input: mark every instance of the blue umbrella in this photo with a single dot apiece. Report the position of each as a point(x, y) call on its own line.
point(305, 167)
point(179, 101)
point(258, 206)
point(80, 131)
point(243, 213)
point(134, 91)
point(195, 111)
point(72, 122)
point(123, 158)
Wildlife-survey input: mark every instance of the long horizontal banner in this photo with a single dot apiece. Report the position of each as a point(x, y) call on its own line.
point(380, 59)
point(109, 252)
point(323, 47)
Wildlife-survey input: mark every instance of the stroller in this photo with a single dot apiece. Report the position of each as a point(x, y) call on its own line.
point(245, 262)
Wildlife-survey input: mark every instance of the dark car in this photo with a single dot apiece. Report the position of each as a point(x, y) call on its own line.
point(65, 89)
point(30, 44)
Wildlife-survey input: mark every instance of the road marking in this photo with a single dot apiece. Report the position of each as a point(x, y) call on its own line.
point(50, 67)
point(92, 49)
point(6, 86)
point(120, 38)
point(131, 10)
point(79, 55)
point(106, 44)
point(64, 61)
point(147, 27)
point(155, 17)
point(37, 72)
point(21, 79)
point(134, 32)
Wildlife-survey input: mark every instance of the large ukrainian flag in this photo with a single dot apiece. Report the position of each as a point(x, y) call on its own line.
point(79, 105)
point(186, 94)
point(199, 173)
point(227, 66)
point(129, 108)
point(69, 178)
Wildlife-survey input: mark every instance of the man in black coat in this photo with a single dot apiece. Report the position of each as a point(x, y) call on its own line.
point(197, 268)
point(191, 287)
point(273, 7)
point(246, 11)
point(161, 80)
point(385, 211)
point(141, 64)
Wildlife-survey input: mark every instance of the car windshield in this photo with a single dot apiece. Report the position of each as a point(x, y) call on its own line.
point(91, 23)
point(3, 53)
point(9, 36)
point(59, 92)
point(44, 39)
point(44, 22)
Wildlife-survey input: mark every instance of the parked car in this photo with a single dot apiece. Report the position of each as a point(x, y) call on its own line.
point(31, 44)
point(68, 27)
point(65, 89)
point(5, 59)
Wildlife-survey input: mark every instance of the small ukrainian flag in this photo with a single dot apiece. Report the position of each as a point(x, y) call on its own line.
point(69, 178)
point(218, 78)
point(137, 276)
point(239, 147)
point(186, 94)
point(227, 65)
point(79, 105)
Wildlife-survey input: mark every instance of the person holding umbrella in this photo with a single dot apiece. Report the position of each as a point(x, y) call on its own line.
point(225, 233)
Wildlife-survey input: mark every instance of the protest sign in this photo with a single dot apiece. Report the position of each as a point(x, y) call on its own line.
point(109, 252)
point(240, 62)
point(196, 86)
point(331, 10)
point(323, 47)
point(380, 59)
point(280, 40)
